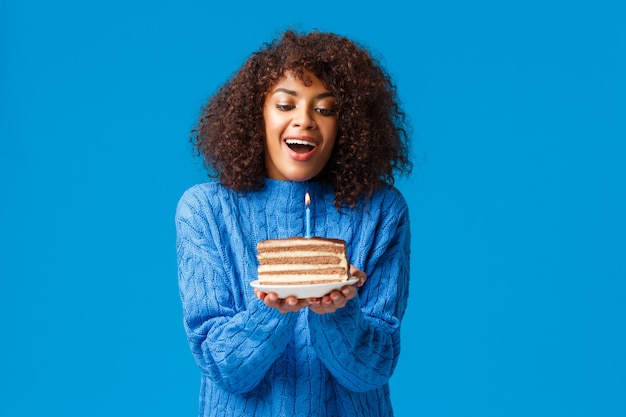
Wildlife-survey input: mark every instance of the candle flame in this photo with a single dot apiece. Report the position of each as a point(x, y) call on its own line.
point(307, 199)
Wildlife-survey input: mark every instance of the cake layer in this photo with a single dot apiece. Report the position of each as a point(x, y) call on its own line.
point(304, 258)
point(301, 243)
point(307, 279)
point(304, 270)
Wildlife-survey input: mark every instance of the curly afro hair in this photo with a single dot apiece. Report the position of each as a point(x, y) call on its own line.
point(372, 139)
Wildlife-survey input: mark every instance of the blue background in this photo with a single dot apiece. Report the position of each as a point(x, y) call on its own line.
point(518, 290)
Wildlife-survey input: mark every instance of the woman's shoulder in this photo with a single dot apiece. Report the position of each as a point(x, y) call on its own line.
point(200, 195)
point(389, 198)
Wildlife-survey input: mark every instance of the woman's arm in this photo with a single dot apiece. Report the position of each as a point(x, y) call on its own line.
point(234, 343)
point(360, 343)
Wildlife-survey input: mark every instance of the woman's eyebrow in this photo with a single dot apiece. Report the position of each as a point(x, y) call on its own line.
point(284, 90)
point(295, 94)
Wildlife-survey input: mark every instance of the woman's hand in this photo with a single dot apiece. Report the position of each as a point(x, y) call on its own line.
point(338, 298)
point(327, 304)
point(284, 305)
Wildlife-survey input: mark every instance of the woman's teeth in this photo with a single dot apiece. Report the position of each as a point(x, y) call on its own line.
point(299, 145)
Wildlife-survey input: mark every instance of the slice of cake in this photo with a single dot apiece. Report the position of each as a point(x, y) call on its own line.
point(302, 261)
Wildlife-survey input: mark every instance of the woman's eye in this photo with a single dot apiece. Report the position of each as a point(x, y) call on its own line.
point(325, 112)
point(284, 107)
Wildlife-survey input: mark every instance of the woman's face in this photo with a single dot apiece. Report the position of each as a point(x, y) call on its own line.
point(300, 128)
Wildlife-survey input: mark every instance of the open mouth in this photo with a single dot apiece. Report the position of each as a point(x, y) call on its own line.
point(300, 146)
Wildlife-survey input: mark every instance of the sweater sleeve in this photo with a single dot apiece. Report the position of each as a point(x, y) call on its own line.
point(233, 341)
point(360, 343)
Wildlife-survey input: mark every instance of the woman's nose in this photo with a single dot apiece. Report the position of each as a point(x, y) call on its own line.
point(303, 119)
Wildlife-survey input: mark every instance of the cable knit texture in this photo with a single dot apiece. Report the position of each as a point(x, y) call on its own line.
point(256, 361)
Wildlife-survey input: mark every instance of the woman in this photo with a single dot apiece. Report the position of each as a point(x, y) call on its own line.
point(307, 113)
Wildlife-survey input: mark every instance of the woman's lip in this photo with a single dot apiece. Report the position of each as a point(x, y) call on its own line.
point(301, 156)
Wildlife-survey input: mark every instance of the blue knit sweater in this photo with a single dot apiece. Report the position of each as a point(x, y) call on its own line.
point(256, 361)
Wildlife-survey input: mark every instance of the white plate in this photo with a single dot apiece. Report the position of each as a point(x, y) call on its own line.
point(302, 291)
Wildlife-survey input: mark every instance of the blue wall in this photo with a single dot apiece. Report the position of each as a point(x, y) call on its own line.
point(518, 198)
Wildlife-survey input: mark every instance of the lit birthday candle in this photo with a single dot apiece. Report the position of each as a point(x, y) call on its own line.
point(307, 202)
